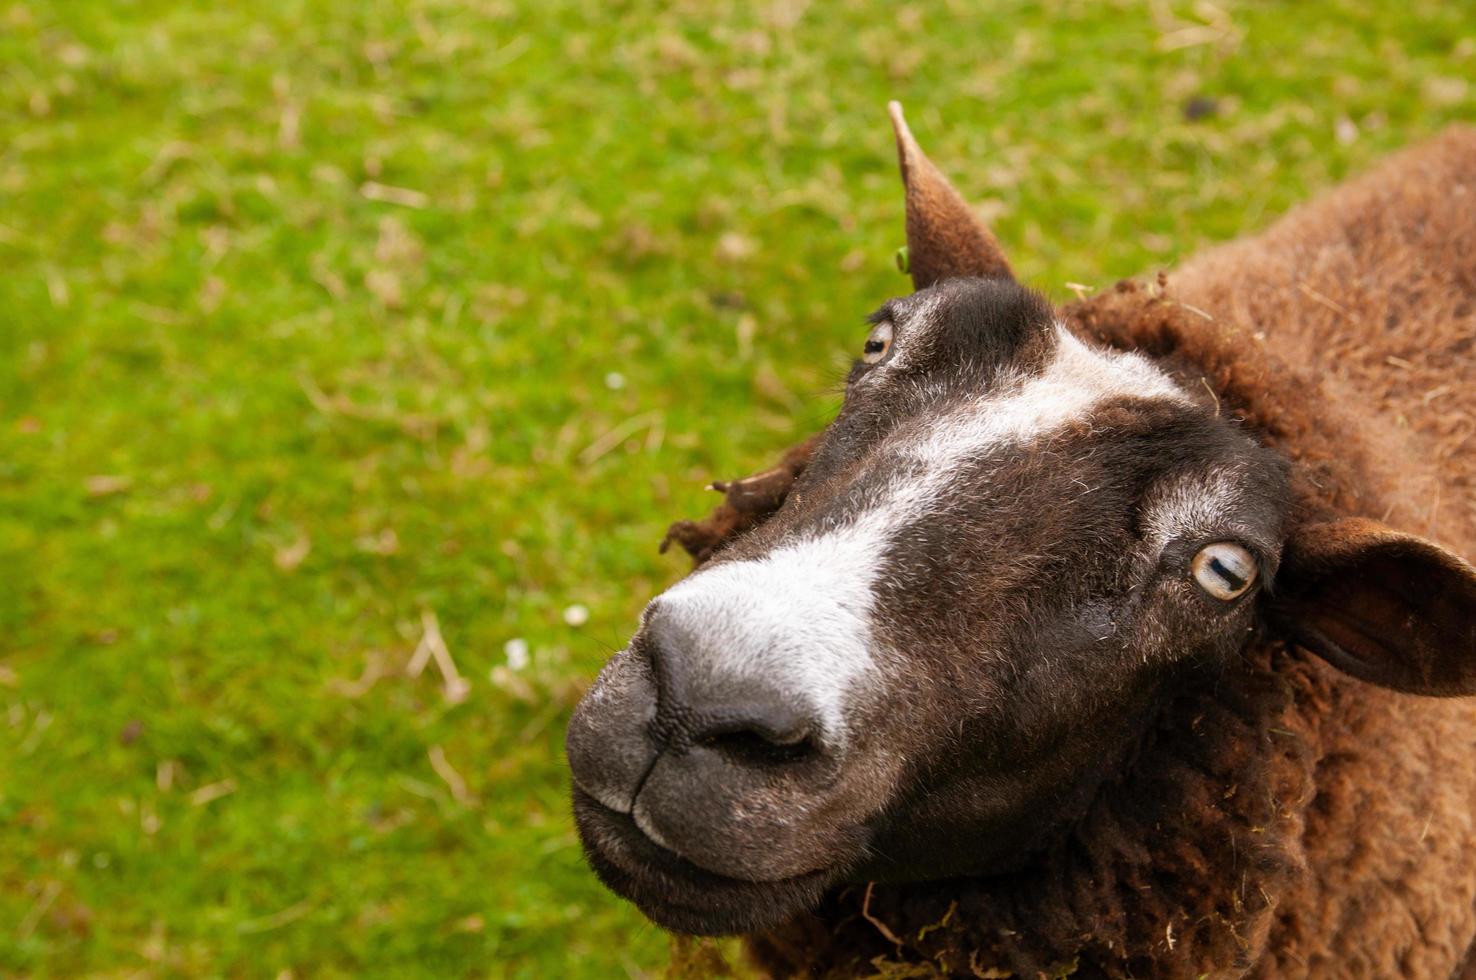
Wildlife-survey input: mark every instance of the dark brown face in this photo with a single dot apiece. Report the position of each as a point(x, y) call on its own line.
point(1007, 547)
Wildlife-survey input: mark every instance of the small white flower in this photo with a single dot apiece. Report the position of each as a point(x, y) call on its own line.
point(576, 615)
point(516, 651)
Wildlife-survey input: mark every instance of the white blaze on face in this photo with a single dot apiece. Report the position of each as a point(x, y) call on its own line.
point(1021, 408)
point(801, 615)
point(797, 616)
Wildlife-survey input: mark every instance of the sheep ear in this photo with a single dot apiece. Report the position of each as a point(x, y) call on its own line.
point(944, 237)
point(1387, 607)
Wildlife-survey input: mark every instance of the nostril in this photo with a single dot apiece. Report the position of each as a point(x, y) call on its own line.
point(758, 742)
point(754, 749)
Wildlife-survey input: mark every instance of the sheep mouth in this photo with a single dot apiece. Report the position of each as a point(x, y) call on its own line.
point(677, 894)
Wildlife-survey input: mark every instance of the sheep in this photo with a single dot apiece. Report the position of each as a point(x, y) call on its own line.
point(1277, 804)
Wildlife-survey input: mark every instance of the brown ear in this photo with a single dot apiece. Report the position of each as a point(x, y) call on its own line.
point(944, 238)
point(1387, 607)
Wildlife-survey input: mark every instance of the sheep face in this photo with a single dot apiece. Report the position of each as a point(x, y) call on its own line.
point(1006, 548)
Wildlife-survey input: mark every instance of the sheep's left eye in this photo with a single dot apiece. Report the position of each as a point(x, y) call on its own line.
point(878, 343)
point(1224, 569)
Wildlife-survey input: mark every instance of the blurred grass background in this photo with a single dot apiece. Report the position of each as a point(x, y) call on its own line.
point(329, 330)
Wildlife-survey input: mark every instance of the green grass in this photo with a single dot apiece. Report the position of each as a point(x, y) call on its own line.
point(318, 318)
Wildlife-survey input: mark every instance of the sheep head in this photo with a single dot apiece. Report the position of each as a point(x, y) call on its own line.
point(991, 569)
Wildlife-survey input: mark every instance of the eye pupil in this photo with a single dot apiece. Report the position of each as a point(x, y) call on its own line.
point(878, 343)
point(1236, 582)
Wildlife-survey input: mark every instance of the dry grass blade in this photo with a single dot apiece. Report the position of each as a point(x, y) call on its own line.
point(1322, 300)
point(613, 438)
point(881, 926)
point(212, 792)
point(277, 919)
point(373, 671)
point(403, 196)
point(43, 903)
point(106, 485)
point(432, 647)
point(450, 776)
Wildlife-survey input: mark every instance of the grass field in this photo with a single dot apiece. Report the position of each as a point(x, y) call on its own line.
point(326, 327)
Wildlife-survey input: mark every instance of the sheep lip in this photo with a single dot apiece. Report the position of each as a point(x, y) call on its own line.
point(678, 894)
point(672, 859)
point(617, 804)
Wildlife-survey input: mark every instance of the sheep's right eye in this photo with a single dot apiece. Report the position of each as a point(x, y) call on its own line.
point(877, 343)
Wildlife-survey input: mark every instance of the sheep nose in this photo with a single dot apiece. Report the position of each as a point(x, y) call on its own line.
point(723, 731)
point(710, 696)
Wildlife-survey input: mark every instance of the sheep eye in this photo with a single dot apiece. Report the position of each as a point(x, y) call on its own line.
point(877, 343)
point(1225, 570)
